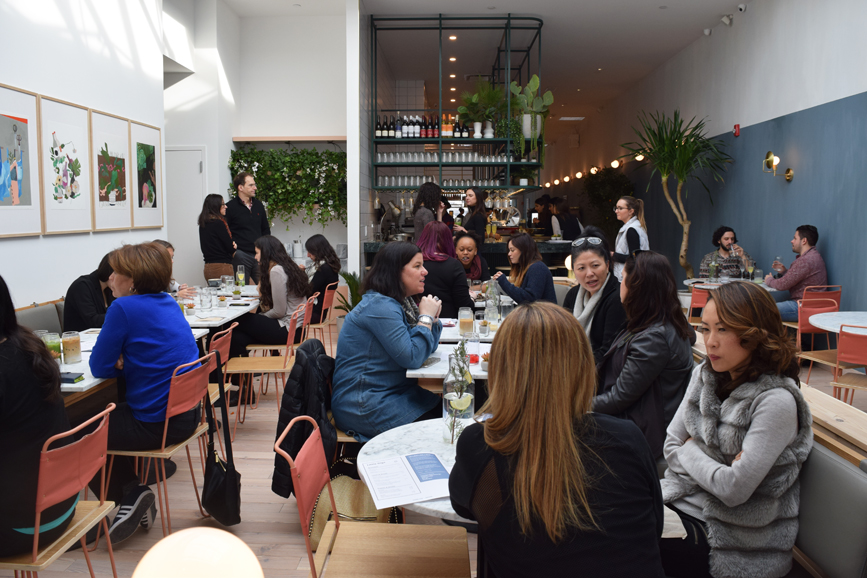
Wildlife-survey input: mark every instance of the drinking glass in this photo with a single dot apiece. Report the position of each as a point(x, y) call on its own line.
point(750, 267)
point(473, 347)
point(224, 282)
point(492, 316)
point(40, 332)
point(53, 343)
point(241, 275)
point(71, 347)
point(777, 259)
point(742, 267)
point(482, 327)
point(465, 320)
point(759, 276)
point(207, 299)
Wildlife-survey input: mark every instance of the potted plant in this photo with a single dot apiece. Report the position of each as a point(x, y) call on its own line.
point(511, 128)
point(472, 111)
point(347, 304)
point(684, 151)
point(523, 173)
point(535, 110)
point(491, 99)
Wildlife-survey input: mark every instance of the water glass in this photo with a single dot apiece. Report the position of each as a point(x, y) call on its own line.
point(472, 346)
point(40, 332)
point(465, 320)
point(482, 327)
point(53, 343)
point(758, 276)
point(492, 316)
point(71, 347)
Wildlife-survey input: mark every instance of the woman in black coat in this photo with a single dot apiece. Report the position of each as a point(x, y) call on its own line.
point(215, 238)
point(327, 267)
point(477, 215)
point(595, 301)
point(446, 277)
point(87, 299)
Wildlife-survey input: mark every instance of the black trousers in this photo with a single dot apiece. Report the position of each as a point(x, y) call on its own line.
point(690, 557)
point(251, 266)
point(125, 432)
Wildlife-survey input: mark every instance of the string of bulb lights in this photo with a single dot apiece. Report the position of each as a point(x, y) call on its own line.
point(593, 170)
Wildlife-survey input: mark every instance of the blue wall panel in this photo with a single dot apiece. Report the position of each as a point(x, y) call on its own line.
point(824, 146)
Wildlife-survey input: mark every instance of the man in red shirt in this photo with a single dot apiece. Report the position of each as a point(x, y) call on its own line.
point(807, 270)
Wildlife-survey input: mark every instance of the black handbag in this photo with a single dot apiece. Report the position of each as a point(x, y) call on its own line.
point(221, 493)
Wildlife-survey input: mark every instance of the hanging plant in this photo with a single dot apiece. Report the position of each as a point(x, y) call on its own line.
point(294, 182)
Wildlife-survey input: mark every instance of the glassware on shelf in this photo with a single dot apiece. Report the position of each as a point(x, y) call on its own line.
point(379, 157)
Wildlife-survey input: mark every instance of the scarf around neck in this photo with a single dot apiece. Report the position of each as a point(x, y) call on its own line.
point(410, 310)
point(584, 313)
point(475, 271)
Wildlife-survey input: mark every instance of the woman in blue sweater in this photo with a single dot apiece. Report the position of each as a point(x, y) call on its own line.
point(144, 338)
point(382, 337)
point(530, 279)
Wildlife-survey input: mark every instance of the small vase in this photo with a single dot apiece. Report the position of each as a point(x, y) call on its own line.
point(527, 125)
point(489, 129)
point(458, 398)
point(477, 130)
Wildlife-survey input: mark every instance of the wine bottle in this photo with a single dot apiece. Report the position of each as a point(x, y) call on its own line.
point(378, 132)
point(398, 127)
point(390, 132)
point(447, 126)
point(436, 128)
point(465, 132)
point(416, 127)
point(424, 129)
point(405, 127)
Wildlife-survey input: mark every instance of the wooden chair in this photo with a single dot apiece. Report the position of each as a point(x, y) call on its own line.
point(806, 309)
point(64, 472)
point(851, 350)
point(697, 301)
point(381, 549)
point(323, 324)
point(185, 392)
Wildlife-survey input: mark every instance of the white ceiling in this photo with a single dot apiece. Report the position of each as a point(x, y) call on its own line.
point(286, 7)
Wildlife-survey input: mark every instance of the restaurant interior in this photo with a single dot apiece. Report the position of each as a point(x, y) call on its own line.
point(208, 88)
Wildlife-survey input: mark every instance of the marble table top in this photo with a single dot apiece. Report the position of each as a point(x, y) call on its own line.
point(452, 334)
point(833, 321)
point(219, 316)
point(705, 285)
point(439, 369)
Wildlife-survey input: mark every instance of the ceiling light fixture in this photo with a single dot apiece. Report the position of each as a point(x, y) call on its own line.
point(566, 179)
point(452, 59)
point(453, 100)
point(453, 37)
point(452, 75)
point(593, 170)
point(453, 89)
point(615, 163)
point(579, 174)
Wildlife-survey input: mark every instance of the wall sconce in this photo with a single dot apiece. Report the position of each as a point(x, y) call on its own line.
point(547, 185)
point(639, 157)
point(615, 163)
point(593, 170)
point(769, 165)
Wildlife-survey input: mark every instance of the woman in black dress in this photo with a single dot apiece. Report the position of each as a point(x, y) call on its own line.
point(327, 267)
point(477, 214)
point(215, 238)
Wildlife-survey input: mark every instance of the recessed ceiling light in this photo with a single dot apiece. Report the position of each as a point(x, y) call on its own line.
point(452, 59)
point(579, 90)
point(599, 70)
point(453, 100)
point(453, 89)
point(556, 182)
point(452, 75)
point(566, 179)
point(547, 185)
point(453, 37)
point(571, 118)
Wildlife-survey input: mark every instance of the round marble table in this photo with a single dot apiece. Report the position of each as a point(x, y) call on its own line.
point(413, 438)
point(708, 286)
point(833, 321)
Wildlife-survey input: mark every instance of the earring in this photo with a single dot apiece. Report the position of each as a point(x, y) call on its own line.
point(131, 289)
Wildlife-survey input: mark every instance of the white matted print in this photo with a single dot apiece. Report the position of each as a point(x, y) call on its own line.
point(20, 212)
point(66, 167)
point(147, 176)
point(112, 181)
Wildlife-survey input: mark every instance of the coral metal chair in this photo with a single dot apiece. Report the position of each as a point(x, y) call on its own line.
point(697, 301)
point(219, 342)
point(380, 549)
point(807, 309)
point(851, 350)
point(64, 472)
point(325, 324)
point(833, 292)
point(185, 392)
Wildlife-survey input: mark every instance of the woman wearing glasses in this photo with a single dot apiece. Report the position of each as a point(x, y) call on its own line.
point(632, 235)
point(595, 302)
point(215, 238)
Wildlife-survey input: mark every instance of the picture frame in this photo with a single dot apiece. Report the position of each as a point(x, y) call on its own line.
point(147, 176)
point(20, 201)
point(112, 171)
point(64, 150)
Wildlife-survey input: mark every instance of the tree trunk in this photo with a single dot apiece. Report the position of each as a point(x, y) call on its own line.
point(680, 213)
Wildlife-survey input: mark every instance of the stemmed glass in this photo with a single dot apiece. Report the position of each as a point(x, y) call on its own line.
point(241, 275)
point(751, 266)
point(742, 267)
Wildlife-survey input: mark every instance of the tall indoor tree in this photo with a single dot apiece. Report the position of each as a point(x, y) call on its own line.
point(683, 150)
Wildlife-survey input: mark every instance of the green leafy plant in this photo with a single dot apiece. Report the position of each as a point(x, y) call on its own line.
point(524, 172)
point(603, 190)
point(294, 182)
point(511, 128)
point(353, 284)
point(673, 147)
point(537, 106)
point(485, 104)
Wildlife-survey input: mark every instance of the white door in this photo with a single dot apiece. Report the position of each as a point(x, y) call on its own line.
point(185, 188)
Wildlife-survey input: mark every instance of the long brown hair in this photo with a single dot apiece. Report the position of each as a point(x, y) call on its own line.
point(750, 312)
point(479, 207)
point(273, 253)
point(651, 294)
point(541, 381)
point(529, 255)
point(636, 205)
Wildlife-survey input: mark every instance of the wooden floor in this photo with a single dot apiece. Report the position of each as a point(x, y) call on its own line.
point(269, 523)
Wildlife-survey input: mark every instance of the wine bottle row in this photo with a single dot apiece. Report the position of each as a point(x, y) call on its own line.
point(416, 126)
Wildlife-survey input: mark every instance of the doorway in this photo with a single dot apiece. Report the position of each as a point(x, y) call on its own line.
point(186, 189)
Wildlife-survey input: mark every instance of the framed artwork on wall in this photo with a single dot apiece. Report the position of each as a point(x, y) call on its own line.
point(20, 202)
point(66, 168)
point(112, 178)
point(147, 176)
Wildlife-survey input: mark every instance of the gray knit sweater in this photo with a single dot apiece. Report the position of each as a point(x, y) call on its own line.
point(750, 505)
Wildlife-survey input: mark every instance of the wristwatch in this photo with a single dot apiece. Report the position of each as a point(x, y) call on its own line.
point(426, 319)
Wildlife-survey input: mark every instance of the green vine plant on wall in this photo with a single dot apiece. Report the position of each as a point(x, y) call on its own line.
point(295, 182)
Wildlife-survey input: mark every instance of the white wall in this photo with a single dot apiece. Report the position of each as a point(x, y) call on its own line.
point(111, 59)
point(780, 57)
point(293, 76)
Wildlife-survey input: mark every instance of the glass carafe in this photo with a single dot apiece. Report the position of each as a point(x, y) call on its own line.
point(458, 398)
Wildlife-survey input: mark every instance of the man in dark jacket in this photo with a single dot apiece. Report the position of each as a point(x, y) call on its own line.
point(87, 299)
point(248, 221)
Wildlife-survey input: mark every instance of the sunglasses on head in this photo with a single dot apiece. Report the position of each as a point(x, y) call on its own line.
point(586, 240)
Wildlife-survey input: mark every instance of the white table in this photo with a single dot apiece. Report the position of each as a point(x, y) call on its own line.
point(707, 286)
point(833, 321)
point(427, 436)
point(441, 367)
point(505, 301)
point(452, 334)
point(219, 316)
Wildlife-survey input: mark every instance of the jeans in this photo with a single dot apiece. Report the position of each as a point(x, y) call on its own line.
point(788, 310)
point(251, 266)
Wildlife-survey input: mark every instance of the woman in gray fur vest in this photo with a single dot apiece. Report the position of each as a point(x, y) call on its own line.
point(736, 445)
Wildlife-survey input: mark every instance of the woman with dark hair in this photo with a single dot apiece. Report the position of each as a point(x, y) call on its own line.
point(382, 337)
point(283, 287)
point(327, 267)
point(595, 301)
point(447, 215)
point(542, 206)
point(31, 411)
point(446, 279)
point(428, 206)
point(145, 337)
point(530, 279)
point(181, 290)
point(564, 222)
point(215, 238)
point(729, 256)
point(632, 236)
point(737, 443)
point(477, 214)
point(644, 374)
point(467, 247)
point(553, 486)
point(88, 298)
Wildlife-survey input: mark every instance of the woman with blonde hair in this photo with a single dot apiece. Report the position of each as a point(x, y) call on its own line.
point(530, 279)
point(553, 486)
point(632, 235)
point(737, 443)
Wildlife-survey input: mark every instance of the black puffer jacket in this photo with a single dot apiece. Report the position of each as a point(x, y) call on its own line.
point(306, 393)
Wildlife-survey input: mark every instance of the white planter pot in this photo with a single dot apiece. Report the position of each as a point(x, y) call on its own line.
point(484, 365)
point(523, 182)
point(527, 125)
point(477, 130)
point(298, 250)
point(489, 129)
point(340, 320)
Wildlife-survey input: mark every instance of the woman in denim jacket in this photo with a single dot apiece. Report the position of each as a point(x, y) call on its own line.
point(382, 337)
